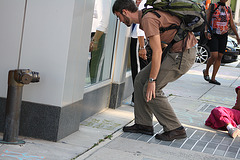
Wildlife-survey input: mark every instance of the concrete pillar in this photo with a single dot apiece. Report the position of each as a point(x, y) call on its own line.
point(120, 64)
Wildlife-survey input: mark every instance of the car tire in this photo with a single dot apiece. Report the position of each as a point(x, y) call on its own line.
point(202, 54)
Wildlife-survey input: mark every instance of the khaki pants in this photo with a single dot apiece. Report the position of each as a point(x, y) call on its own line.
point(159, 106)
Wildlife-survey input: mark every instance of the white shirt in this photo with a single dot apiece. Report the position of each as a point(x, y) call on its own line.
point(101, 15)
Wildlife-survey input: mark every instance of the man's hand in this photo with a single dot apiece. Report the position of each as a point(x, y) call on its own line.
point(208, 35)
point(93, 46)
point(155, 43)
point(143, 53)
point(150, 91)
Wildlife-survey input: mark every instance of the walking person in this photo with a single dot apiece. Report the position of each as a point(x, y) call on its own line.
point(149, 97)
point(226, 118)
point(221, 18)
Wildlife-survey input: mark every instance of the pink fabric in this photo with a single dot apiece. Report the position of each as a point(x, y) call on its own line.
point(237, 104)
point(220, 116)
point(236, 89)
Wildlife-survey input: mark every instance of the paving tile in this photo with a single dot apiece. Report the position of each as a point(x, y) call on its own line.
point(125, 134)
point(134, 136)
point(144, 138)
point(208, 136)
point(238, 155)
point(221, 149)
point(166, 143)
point(201, 141)
point(231, 152)
point(147, 159)
point(190, 131)
point(189, 144)
point(178, 143)
point(236, 142)
point(217, 138)
point(203, 107)
point(227, 140)
point(210, 108)
point(210, 148)
point(199, 146)
point(158, 128)
point(154, 140)
point(198, 134)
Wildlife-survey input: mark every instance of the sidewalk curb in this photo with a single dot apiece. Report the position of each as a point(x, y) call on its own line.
point(99, 146)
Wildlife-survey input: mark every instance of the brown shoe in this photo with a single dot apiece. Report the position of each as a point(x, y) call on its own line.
point(171, 135)
point(138, 128)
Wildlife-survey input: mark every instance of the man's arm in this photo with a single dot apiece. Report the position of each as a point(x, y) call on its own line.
point(208, 12)
point(155, 43)
point(142, 50)
point(94, 42)
point(233, 27)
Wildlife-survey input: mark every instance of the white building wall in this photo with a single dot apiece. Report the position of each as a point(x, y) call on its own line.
point(78, 51)
point(55, 43)
point(11, 13)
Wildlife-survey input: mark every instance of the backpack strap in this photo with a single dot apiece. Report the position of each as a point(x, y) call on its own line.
point(165, 51)
point(146, 10)
point(172, 26)
point(213, 9)
point(228, 8)
point(180, 34)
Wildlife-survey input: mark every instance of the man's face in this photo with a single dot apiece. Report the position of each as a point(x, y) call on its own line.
point(123, 18)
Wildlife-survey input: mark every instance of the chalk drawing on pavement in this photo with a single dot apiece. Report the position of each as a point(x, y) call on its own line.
point(20, 156)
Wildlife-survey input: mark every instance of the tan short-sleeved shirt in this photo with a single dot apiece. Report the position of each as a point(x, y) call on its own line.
point(151, 24)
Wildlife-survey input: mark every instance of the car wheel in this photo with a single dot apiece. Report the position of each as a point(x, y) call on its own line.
point(202, 54)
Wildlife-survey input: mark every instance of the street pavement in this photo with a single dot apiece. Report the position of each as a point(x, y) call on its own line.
point(100, 137)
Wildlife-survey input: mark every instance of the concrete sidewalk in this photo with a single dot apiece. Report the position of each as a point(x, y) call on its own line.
point(100, 137)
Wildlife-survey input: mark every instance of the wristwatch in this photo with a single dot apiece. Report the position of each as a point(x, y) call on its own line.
point(151, 80)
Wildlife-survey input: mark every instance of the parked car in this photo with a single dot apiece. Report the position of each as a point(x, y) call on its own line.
point(230, 55)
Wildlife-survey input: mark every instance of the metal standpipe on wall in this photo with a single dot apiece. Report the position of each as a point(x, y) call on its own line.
point(16, 80)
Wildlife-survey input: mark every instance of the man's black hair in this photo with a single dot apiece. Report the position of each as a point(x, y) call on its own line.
point(119, 5)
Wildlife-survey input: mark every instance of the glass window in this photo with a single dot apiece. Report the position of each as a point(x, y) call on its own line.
point(102, 43)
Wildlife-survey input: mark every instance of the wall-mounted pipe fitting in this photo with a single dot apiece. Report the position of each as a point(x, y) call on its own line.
point(16, 80)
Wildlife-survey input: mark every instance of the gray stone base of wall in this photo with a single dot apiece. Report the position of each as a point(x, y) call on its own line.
point(116, 95)
point(53, 122)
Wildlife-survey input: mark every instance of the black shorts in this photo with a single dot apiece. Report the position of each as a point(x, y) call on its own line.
point(218, 43)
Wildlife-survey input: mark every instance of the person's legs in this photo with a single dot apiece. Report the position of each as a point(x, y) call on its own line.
point(160, 106)
point(143, 115)
point(133, 59)
point(217, 47)
point(222, 42)
point(213, 47)
point(95, 59)
point(210, 62)
point(169, 72)
point(216, 65)
point(164, 113)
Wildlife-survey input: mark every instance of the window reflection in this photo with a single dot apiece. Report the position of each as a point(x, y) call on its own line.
point(98, 45)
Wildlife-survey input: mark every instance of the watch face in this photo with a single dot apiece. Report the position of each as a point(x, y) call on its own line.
point(151, 79)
